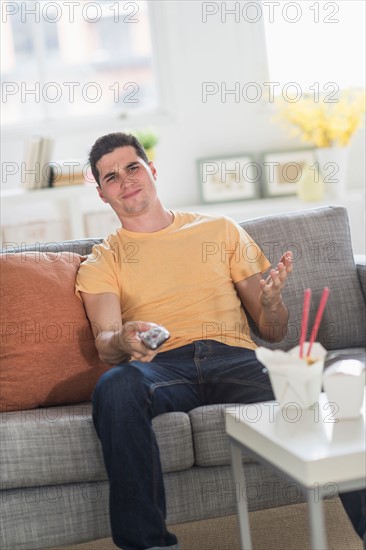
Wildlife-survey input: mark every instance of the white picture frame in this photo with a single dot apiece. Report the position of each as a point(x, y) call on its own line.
point(228, 178)
point(282, 170)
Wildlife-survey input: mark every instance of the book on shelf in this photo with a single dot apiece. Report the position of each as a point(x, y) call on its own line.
point(37, 162)
point(44, 161)
point(66, 173)
point(31, 172)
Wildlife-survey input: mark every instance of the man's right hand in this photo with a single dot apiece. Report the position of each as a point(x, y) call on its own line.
point(131, 341)
point(115, 342)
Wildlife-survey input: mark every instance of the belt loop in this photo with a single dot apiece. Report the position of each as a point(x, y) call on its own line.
point(203, 349)
point(197, 349)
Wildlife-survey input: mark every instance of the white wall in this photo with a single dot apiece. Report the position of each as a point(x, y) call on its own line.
point(191, 52)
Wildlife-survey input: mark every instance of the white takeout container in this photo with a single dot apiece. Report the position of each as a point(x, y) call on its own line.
point(295, 383)
point(344, 384)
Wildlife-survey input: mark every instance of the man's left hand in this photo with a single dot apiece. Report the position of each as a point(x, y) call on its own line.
point(272, 286)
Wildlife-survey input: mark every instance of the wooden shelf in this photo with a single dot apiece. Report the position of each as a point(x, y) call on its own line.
point(64, 211)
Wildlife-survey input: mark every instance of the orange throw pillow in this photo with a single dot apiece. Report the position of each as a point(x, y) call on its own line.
point(48, 356)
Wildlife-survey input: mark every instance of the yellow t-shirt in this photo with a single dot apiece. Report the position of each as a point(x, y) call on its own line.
point(181, 277)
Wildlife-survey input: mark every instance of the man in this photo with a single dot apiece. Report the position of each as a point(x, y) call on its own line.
point(200, 277)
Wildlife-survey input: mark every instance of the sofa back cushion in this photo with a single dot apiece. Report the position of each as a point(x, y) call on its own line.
point(321, 243)
point(48, 356)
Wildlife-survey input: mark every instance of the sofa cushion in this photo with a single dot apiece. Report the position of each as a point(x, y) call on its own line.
point(48, 355)
point(361, 271)
point(211, 443)
point(321, 243)
point(174, 437)
point(49, 446)
point(56, 445)
point(76, 246)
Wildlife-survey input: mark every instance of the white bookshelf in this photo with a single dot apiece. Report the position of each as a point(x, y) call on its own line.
point(53, 214)
point(74, 212)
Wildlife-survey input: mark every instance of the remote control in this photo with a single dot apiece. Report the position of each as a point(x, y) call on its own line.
point(154, 337)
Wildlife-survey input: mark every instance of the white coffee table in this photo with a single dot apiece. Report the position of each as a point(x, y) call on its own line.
point(309, 447)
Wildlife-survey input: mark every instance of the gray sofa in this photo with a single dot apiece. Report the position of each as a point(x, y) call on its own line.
point(54, 486)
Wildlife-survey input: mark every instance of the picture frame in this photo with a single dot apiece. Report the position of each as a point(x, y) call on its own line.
point(226, 178)
point(282, 171)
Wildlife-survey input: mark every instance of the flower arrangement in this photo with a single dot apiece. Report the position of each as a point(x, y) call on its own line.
point(324, 123)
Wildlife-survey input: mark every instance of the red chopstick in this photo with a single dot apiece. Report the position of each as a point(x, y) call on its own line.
point(304, 320)
point(318, 318)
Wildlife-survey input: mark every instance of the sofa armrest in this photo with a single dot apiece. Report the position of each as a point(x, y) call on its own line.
point(360, 261)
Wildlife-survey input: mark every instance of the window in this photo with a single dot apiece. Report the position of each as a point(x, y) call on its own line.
point(72, 59)
point(319, 46)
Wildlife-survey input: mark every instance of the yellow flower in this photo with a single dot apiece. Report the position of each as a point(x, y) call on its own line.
point(324, 123)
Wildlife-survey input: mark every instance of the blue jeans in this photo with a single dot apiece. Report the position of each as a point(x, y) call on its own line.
point(125, 400)
point(354, 503)
point(130, 395)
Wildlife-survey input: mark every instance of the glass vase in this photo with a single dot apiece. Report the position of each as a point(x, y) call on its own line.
point(333, 166)
point(310, 187)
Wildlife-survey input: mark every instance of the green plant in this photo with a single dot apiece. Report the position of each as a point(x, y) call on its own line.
point(148, 138)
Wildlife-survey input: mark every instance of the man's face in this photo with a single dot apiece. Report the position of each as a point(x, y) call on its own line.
point(127, 183)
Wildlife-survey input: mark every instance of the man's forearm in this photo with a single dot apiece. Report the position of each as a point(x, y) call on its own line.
point(273, 322)
point(110, 347)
